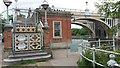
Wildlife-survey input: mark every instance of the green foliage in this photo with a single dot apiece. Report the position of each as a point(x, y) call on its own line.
point(106, 46)
point(100, 57)
point(0, 25)
point(79, 32)
point(2, 21)
point(118, 56)
point(109, 8)
point(24, 62)
point(81, 37)
point(84, 64)
point(114, 29)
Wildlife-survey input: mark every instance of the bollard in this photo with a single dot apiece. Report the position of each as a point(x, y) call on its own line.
point(111, 63)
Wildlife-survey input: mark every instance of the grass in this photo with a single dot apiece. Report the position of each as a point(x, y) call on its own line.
point(22, 63)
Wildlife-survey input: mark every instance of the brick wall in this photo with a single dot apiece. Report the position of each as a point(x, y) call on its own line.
point(66, 28)
point(7, 38)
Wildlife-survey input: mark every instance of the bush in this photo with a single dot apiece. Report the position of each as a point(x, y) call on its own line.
point(84, 64)
point(100, 57)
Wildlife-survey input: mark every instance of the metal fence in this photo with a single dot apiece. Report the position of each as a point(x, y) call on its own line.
point(111, 63)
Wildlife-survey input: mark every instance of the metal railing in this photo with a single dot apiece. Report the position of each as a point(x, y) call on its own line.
point(77, 11)
point(111, 63)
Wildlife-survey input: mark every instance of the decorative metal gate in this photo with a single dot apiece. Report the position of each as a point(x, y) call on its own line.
point(27, 34)
point(27, 41)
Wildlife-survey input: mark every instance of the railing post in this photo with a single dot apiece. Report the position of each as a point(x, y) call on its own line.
point(51, 44)
point(81, 48)
point(93, 50)
point(81, 51)
point(113, 42)
point(111, 63)
point(99, 43)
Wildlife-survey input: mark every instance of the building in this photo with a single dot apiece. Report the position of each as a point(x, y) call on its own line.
point(27, 35)
point(59, 30)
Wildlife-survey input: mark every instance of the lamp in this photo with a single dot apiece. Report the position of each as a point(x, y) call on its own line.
point(86, 10)
point(45, 6)
point(16, 3)
point(7, 3)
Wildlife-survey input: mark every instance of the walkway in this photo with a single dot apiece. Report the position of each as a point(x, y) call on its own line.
point(1, 52)
point(62, 58)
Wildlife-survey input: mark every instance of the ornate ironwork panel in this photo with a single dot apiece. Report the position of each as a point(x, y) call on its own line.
point(25, 29)
point(27, 41)
point(34, 41)
point(27, 34)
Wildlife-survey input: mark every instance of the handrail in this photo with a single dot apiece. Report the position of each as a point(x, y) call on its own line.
point(111, 52)
point(76, 10)
point(94, 50)
point(91, 60)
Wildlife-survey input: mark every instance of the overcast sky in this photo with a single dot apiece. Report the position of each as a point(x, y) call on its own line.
point(72, 4)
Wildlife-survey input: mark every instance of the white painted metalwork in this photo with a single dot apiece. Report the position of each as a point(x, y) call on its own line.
point(93, 49)
point(27, 30)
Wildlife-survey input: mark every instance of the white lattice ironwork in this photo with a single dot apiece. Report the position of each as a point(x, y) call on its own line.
point(27, 34)
point(21, 42)
point(27, 41)
point(25, 29)
point(34, 41)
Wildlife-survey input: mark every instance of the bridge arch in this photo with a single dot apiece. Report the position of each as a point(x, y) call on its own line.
point(102, 24)
point(92, 33)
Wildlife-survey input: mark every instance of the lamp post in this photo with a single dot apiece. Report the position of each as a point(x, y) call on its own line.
point(7, 3)
point(86, 10)
point(45, 6)
point(16, 3)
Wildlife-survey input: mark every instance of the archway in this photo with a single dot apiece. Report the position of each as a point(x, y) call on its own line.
point(102, 25)
point(90, 31)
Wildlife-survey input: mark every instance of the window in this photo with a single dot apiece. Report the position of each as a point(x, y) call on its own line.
point(57, 32)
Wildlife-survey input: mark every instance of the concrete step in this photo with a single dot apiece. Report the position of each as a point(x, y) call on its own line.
point(9, 60)
point(27, 55)
point(36, 55)
point(30, 51)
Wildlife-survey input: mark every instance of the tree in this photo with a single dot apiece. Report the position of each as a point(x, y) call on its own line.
point(109, 8)
point(79, 32)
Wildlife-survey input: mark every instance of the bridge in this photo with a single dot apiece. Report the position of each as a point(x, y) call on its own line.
point(97, 25)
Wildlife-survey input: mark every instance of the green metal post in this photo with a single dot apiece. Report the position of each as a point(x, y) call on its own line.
point(99, 42)
point(114, 42)
point(93, 56)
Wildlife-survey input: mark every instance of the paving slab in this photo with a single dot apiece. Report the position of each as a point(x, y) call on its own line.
point(62, 58)
point(1, 50)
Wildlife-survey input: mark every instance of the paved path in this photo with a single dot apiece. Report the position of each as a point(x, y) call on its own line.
point(1, 53)
point(62, 57)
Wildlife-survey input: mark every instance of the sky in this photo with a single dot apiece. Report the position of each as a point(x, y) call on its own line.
point(71, 4)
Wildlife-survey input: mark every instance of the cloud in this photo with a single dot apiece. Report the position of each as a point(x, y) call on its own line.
point(73, 4)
